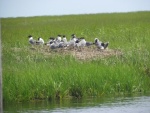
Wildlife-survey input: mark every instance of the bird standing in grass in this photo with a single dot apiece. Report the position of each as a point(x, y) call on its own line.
point(31, 40)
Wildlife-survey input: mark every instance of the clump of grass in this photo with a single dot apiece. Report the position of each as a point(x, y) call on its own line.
point(32, 74)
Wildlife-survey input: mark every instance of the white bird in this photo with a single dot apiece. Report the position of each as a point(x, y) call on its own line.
point(74, 37)
point(59, 41)
point(72, 43)
point(40, 41)
point(53, 45)
point(31, 40)
point(64, 40)
point(51, 39)
point(81, 42)
point(58, 38)
point(100, 45)
point(73, 40)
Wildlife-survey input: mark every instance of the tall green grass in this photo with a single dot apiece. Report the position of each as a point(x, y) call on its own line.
point(31, 74)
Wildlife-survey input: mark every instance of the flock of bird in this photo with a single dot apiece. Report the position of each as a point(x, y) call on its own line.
point(61, 41)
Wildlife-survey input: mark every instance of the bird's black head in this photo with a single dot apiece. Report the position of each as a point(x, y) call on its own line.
point(73, 35)
point(64, 36)
point(29, 36)
point(96, 40)
point(51, 42)
point(82, 38)
point(52, 38)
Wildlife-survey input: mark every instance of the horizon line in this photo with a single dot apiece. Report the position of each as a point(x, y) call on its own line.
point(75, 14)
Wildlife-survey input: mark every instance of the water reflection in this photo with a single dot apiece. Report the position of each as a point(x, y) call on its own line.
point(129, 104)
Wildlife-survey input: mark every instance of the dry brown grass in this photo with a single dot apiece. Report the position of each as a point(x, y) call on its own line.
point(88, 54)
point(80, 54)
point(85, 53)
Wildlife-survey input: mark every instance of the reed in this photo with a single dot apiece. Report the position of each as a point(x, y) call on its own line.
point(35, 74)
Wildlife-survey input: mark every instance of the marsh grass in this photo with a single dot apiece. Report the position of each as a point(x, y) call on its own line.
point(33, 74)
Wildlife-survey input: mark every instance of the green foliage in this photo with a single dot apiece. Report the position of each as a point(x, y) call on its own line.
point(31, 74)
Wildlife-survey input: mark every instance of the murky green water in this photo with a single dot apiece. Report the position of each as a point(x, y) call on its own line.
point(127, 104)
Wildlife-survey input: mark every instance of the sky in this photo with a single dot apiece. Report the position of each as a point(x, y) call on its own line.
point(26, 8)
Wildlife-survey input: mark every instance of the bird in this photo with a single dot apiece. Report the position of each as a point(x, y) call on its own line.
point(73, 41)
point(58, 38)
point(40, 41)
point(81, 42)
point(73, 36)
point(100, 45)
point(53, 45)
point(56, 44)
point(51, 39)
point(59, 41)
point(31, 40)
point(64, 40)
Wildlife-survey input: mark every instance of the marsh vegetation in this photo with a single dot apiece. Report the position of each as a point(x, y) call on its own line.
point(39, 74)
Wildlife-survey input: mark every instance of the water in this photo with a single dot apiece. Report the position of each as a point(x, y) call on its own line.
point(128, 104)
